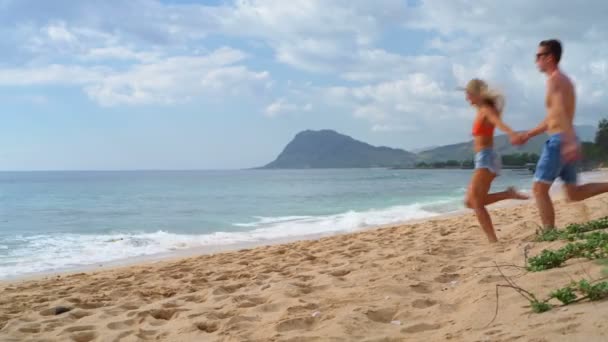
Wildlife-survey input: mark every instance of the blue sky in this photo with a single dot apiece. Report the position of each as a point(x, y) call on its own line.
point(149, 84)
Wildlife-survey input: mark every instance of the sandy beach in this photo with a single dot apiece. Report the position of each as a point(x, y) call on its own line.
point(433, 280)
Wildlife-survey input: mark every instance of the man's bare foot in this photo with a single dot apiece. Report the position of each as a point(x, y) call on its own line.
point(514, 194)
point(545, 229)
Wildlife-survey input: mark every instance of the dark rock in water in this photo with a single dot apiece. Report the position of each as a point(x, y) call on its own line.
point(62, 309)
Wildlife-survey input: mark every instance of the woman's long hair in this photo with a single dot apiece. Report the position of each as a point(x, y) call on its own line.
point(490, 96)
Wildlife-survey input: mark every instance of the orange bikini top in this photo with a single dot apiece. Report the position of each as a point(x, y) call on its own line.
point(482, 129)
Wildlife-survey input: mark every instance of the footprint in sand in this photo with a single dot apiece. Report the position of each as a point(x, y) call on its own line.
point(78, 314)
point(423, 303)
point(78, 328)
point(340, 273)
point(450, 269)
point(301, 323)
point(208, 327)
point(87, 336)
point(30, 329)
point(249, 301)
point(194, 299)
point(384, 315)
point(569, 329)
point(446, 278)
point(490, 279)
point(416, 328)
point(122, 325)
point(220, 315)
point(301, 309)
point(130, 306)
point(123, 335)
point(146, 334)
point(163, 314)
point(270, 307)
point(228, 289)
point(421, 288)
point(241, 323)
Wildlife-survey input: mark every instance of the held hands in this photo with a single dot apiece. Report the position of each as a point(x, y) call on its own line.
point(519, 138)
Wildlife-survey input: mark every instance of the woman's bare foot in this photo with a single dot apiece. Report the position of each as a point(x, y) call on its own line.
point(514, 194)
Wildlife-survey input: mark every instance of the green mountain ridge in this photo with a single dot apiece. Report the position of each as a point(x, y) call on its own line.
point(329, 149)
point(464, 151)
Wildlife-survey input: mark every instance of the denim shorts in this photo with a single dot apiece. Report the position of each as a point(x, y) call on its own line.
point(488, 159)
point(550, 165)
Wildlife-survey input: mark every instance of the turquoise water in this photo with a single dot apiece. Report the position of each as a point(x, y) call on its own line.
point(51, 221)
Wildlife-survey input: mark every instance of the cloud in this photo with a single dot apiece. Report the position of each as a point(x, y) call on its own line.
point(393, 128)
point(148, 51)
point(497, 40)
point(50, 74)
point(169, 80)
point(415, 98)
point(312, 35)
point(180, 78)
point(281, 106)
point(59, 33)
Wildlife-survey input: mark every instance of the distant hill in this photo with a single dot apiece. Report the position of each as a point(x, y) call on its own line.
point(464, 151)
point(330, 149)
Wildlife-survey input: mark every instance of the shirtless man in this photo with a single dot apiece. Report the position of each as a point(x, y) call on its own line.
point(562, 150)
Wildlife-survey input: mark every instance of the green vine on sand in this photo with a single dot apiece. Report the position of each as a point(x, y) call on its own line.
point(585, 241)
point(573, 231)
point(593, 245)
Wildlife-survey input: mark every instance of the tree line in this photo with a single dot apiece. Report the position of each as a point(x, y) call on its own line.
point(595, 154)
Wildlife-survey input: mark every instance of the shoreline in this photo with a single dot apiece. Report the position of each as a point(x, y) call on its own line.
point(556, 193)
point(432, 280)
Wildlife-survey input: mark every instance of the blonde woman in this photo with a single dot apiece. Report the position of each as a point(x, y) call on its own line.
point(489, 105)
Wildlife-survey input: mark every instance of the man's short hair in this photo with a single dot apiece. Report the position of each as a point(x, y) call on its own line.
point(554, 48)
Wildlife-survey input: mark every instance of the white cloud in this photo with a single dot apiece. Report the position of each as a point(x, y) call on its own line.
point(59, 33)
point(313, 35)
point(282, 106)
point(497, 40)
point(50, 74)
point(176, 79)
point(119, 53)
point(345, 41)
point(168, 80)
point(393, 128)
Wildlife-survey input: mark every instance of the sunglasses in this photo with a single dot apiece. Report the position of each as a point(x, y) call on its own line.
point(541, 54)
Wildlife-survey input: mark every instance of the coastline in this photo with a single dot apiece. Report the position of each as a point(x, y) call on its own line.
point(432, 279)
point(556, 193)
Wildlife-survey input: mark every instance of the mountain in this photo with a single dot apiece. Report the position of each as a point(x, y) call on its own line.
point(330, 149)
point(423, 149)
point(464, 151)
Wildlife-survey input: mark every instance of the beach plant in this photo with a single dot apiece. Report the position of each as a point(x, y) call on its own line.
point(574, 231)
point(547, 259)
point(594, 292)
point(540, 307)
point(592, 246)
point(586, 240)
point(566, 295)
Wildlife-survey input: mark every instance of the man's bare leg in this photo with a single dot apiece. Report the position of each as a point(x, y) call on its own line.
point(582, 192)
point(544, 204)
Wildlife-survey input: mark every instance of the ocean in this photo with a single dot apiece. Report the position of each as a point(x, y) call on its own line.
point(57, 221)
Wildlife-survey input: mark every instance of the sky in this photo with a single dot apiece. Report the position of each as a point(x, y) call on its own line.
point(224, 84)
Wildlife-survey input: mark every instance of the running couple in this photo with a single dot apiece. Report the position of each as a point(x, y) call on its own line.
point(559, 155)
